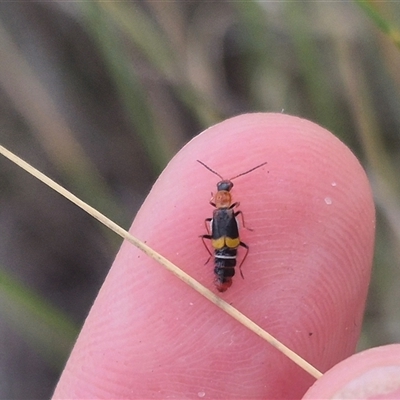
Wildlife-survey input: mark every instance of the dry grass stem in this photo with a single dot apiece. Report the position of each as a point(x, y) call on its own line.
point(233, 312)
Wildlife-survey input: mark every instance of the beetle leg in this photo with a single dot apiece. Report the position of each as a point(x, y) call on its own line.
point(244, 226)
point(208, 237)
point(212, 200)
point(208, 225)
point(237, 204)
point(247, 252)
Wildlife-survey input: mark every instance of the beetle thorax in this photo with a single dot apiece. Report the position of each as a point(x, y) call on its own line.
point(223, 199)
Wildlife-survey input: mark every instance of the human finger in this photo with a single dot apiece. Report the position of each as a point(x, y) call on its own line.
point(148, 335)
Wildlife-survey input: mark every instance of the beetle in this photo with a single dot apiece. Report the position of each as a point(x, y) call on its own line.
point(223, 231)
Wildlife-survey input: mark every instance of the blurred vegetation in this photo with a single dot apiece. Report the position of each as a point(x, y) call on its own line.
point(100, 95)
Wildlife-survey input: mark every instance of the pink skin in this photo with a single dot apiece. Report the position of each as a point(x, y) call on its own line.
point(148, 335)
point(373, 374)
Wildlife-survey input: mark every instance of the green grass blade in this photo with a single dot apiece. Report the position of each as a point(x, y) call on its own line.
point(155, 46)
point(44, 327)
point(383, 24)
point(127, 83)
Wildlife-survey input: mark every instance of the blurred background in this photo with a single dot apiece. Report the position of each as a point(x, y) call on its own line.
point(100, 95)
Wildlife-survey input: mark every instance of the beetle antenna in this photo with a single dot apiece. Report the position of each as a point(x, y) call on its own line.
point(250, 170)
point(211, 170)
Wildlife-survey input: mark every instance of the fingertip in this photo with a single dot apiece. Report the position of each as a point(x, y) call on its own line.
point(306, 275)
point(371, 374)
